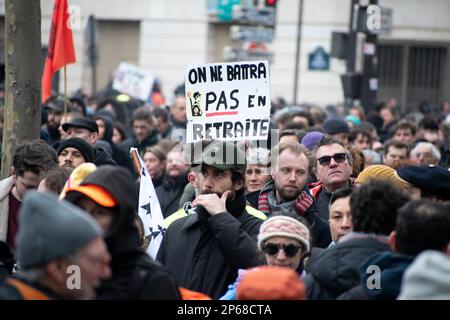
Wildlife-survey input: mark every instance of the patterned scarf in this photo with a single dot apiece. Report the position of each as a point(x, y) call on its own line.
point(267, 201)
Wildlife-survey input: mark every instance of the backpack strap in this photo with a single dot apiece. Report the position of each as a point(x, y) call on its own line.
point(26, 291)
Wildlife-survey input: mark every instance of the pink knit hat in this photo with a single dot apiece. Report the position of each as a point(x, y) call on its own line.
point(283, 226)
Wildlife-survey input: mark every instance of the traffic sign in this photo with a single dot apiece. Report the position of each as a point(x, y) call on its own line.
point(255, 34)
point(254, 16)
point(236, 54)
point(319, 60)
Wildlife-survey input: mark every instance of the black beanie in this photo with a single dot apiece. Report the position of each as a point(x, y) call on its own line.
point(85, 148)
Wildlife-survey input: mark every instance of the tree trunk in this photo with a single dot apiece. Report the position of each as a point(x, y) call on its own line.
point(23, 77)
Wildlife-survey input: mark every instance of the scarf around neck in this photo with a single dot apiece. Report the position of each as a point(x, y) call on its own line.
point(267, 201)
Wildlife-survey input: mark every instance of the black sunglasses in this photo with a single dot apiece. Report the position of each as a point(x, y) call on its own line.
point(326, 160)
point(290, 250)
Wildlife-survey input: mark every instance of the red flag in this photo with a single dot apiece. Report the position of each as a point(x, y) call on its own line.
point(60, 46)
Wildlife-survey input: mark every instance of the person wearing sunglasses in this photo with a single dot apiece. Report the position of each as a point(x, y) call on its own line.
point(284, 241)
point(333, 166)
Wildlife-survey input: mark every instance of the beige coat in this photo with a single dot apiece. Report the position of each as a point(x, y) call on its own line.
point(5, 187)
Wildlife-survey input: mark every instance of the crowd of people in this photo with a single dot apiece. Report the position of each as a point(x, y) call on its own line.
point(335, 204)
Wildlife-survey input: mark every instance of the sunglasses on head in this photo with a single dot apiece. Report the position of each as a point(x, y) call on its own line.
point(338, 157)
point(272, 249)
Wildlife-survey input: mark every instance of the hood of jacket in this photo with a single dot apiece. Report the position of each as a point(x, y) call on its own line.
point(427, 277)
point(337, 268)
point(103, 157)
point(392, 266)
point(118, 181)
point(108, 133)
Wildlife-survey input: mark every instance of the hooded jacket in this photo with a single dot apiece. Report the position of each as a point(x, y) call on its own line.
point(169, 193)
point(337, 269)
point(204, 252)
point(427, 277)
point(392, 266)
point(151, 140)
point(123, 244)
point(121, 157)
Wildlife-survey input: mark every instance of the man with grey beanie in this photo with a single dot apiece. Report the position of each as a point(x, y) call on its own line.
point(61, 253)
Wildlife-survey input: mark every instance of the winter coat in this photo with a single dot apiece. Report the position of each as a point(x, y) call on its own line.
point(103, 157)
point(252, 198)
point(15, 288)
point(121, 157)
point(151, 140)
point(204, 252)
point(336, 269)
point(392, 266)
point(169, 194)
point(5, 188)
point(427, 278)
point(319, 228)
point(128, 262)
point(323, 197)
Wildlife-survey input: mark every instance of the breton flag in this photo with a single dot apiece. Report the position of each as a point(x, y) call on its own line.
point(60, 46)
point(148, 208)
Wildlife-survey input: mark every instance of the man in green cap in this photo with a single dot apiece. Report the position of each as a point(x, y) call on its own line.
point(205, 249)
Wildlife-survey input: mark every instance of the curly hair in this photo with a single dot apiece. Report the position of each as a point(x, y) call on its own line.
point(374, 207)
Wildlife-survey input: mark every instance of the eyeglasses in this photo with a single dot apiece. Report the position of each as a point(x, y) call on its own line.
point(272, 249)
point(338, 157)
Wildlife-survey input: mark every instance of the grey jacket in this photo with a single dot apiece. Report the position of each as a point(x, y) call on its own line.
point(427, 278)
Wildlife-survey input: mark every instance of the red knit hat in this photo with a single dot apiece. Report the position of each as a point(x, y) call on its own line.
point(271, 283)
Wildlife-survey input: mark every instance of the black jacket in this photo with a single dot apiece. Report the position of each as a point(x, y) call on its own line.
point(121, 157)
point(336, 269)
point(169, 194)
point(392, 267)
point(205, 252)
point(127, 260)
point(102, 157)
point(252, 198)
point(151, 140)
point(320, 230)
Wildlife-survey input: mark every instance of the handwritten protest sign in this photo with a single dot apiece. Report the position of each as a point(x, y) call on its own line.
point(228, 101)
point(133, 81)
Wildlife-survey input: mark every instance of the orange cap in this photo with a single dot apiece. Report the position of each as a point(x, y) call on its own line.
point(97, 194)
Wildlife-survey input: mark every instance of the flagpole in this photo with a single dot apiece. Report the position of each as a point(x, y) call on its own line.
point(65, 94)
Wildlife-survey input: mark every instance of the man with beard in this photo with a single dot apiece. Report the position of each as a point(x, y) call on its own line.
point(205, 249)
point(287, 190)
point(55, 110)
point(74, 152)
point(170, 191)
point(87, 130)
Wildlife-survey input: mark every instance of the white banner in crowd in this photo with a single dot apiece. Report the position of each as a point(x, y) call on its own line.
point(134, 81)
point(228, 101)
point(149, 211)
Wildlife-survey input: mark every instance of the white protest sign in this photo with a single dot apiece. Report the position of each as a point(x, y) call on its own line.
point(228, 101)
point(134, 81)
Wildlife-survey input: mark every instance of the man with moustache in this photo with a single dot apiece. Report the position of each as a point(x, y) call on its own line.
point(205, 249)
point(287, 190)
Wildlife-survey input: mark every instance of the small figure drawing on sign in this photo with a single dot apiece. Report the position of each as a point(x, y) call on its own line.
point(195, 104)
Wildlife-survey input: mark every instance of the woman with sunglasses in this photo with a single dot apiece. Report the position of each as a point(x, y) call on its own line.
point(284, 241)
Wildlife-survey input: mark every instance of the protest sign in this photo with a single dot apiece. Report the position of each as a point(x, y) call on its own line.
point(228, 101)
point(134, 81)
